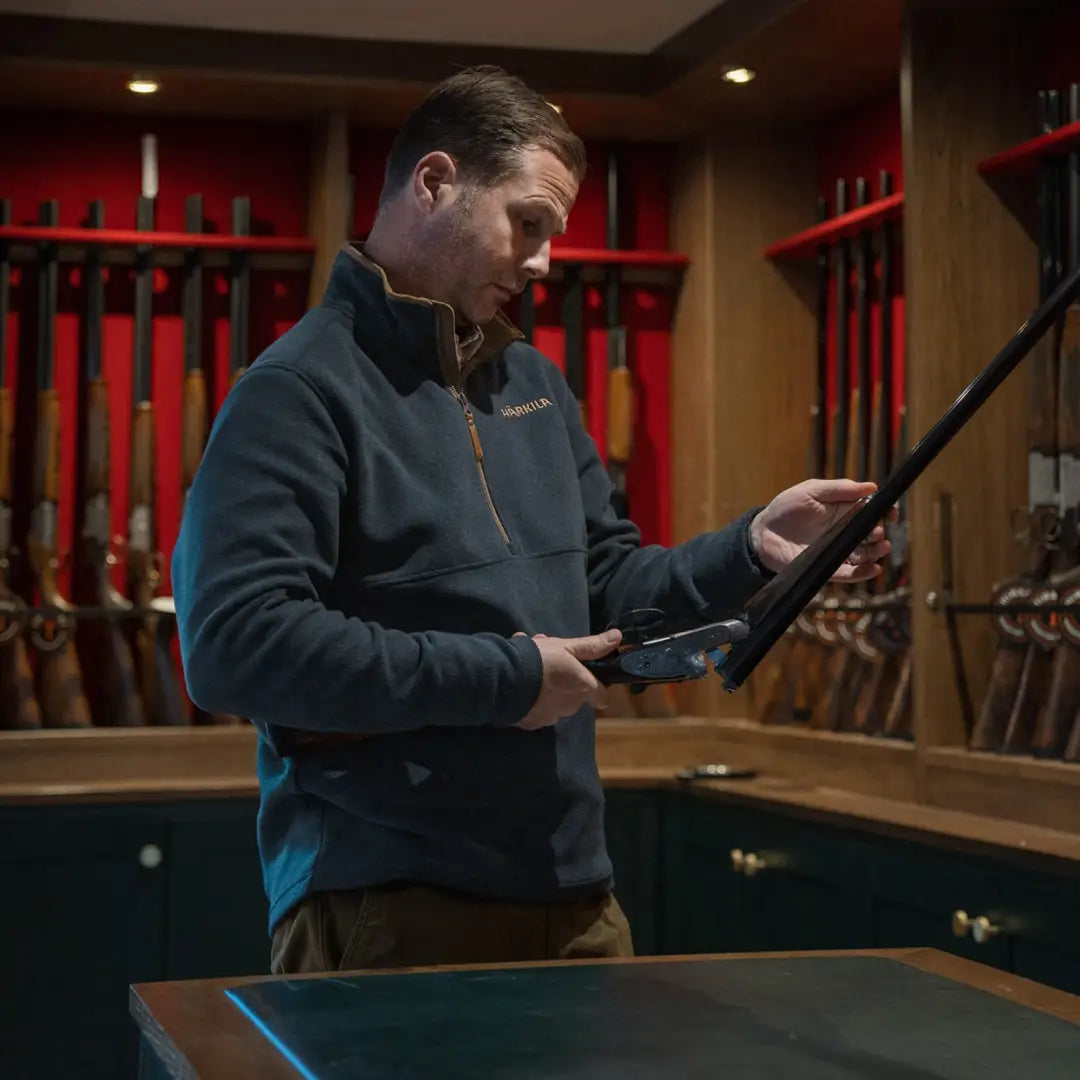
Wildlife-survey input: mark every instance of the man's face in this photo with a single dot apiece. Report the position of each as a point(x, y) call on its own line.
point(492, 241)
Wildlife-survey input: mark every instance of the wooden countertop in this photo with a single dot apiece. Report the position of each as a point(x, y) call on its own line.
point(197, 1031)
point(169, 764)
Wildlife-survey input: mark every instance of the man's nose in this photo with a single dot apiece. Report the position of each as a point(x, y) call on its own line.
point(536, 265)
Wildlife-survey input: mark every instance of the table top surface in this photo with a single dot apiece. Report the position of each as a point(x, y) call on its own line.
point(898, 1014)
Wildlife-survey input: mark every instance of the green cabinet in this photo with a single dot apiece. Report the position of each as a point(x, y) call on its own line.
point(80, 907)
point(632, 832)
point(95, 898)
point(747, 879)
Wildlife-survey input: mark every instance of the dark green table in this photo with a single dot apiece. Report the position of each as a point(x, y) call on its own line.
point(892, 1014)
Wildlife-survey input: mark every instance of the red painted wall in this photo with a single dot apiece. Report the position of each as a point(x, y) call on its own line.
point(78, 158)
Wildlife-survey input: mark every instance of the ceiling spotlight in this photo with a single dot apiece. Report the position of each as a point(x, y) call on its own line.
point(143, 86)
point(737, 75)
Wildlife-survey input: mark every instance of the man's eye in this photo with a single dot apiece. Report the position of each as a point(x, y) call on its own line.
point(531, 228)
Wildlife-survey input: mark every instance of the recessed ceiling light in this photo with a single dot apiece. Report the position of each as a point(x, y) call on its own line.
point(143, 86)
point(737, 74)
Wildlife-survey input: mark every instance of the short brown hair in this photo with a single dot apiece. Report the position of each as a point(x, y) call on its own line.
point(483, 117)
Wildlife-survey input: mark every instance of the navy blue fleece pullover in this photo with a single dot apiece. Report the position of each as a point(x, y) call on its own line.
point(379, 508)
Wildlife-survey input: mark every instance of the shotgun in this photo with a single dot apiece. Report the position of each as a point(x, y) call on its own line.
point(104, 652)
point(18, 705)
point(1057, 714)
point(152, 631)
point(59, 677)
point(778, 680)
point(620, 389)
point(195, 422)
point(1020, 672)
point(239, 292)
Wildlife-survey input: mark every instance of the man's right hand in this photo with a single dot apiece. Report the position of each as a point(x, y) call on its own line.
point(568, 684)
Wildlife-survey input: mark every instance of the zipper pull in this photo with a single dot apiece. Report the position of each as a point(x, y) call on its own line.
point(478, 450)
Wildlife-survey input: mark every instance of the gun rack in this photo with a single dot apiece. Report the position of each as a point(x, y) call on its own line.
point(118, 246)
point(806, 244)
point(1023, 159)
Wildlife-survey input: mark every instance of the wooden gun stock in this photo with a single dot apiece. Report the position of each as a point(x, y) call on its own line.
point(1059, 713)
point(1006, 676)
point(104, 653)
point(194, 426)
point(620, 416)
point(19, 709)
point(59, 678)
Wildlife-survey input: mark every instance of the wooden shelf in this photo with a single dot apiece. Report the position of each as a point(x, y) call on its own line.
point(42, 234)
point(1023, 789)
point(620, 257)
point(1025, 157)
point(805, 245)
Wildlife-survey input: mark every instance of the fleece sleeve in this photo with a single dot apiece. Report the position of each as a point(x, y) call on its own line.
point(257, 549)
point(702, 580)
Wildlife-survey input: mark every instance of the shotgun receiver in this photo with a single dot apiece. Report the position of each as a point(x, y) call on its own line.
point(59, 678)
point(18, 705)
point(104, 652)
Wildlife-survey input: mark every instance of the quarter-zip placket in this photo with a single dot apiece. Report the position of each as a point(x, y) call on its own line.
point(478, 454)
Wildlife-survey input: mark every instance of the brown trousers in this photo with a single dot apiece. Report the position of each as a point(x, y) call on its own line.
point(418, 926)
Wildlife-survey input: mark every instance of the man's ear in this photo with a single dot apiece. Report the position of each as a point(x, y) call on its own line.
point(432, 179)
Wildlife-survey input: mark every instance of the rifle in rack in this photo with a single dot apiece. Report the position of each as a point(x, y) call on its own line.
point(104, 652)
point(152, 633)
point(620, 387)
point(1058, 713)
point(59, 677)
point(1020, 673)
point(777, 684)
point(775, 607)
point(816, 681)
point(880, 635)
point(894, 630)
point(195, 415)
point(18, 705)
point(239, 292)
point(850, 665)
point(573, 322)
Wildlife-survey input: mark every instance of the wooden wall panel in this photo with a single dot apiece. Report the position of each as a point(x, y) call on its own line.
point(744, 340)
point(971, 277)
point(329, 213)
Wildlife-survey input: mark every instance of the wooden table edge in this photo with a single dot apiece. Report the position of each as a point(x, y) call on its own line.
point(198, 1032)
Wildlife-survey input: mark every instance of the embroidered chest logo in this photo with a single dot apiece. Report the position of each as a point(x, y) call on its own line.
point(513, 411)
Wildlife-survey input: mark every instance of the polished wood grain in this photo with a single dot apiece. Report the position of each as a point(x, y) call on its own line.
point(329, 205)
point(971, 280)
point(743, 341)
point(197, 1031)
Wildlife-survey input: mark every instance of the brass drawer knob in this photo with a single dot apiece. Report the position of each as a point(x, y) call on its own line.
point(738, 860)
point(961, 923)
point(754, 864)
point(982, 930)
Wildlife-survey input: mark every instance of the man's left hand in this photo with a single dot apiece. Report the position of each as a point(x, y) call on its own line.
point(799, 515)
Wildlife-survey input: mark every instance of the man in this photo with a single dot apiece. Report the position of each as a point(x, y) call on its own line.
point(399, 548)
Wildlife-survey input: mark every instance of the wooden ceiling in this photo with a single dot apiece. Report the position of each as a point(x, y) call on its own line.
point(813, 58)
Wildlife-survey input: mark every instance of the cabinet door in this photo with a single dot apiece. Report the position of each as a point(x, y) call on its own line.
point(631, 826)
point(217, 907)
point(917, 896)
point(82, 909)
point(806, 887)
point(1035, 917)
point(705, 904)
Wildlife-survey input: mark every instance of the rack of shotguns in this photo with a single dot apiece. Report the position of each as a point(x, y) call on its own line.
point(845, 664)
point(101, 656)
point(1032, 700)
